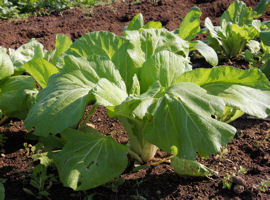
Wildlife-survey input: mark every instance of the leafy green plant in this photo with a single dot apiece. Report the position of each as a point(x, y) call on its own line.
point(237, 28)
point(188, 30)
point(145, 80)
point(41, 181)
point(18, 92)
point(227, 179)
point(7, 9)
point(17, 8)
point(263, 187)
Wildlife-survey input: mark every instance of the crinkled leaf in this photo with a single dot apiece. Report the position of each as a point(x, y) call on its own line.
point(89, 160)
point(110, 46)
point(190, 25)
point(248, 90)
point(190, 168)
point(26, 52)
point(14, 94)
point(62, 103)
point(254, 46)
point(261, 7)
point(6, 66)
point(257, 24)
point(238, 13)
point(183, 119)
point(206, 51)
point(164, 67)
point(40, 70)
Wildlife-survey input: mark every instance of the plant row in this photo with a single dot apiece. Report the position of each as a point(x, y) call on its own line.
point(18, 8)
point(146, 80)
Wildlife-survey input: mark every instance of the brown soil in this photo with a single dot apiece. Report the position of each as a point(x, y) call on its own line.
point(249, 149)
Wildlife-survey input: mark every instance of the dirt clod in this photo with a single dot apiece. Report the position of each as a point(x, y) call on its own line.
point(238, 189)
point(238, 180)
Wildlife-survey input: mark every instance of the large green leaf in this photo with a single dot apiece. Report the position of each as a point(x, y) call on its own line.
point(206, 51)
point(89, 159)
point(108, 45)
point(238, 13)
point(14, 93)
point(62, 103)
point(190, 25)
point(164, 67)
point(183, 119)
point(6, 66)
point(32, 49)
point(248, 90)
point(62, 44)
point(108, 93)
point(151, 41)
point(40, 70)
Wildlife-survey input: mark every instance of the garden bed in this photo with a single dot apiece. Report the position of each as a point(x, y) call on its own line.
point(249, 150)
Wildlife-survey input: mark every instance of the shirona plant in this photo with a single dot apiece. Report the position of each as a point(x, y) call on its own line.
point(18, 92)
point(188, 30)
point(237, 27)
point(145, 80)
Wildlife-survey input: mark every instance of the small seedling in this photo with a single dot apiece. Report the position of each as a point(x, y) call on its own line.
point(227, 179)
point(114, 186)
point(263, 187)
point(41, 181)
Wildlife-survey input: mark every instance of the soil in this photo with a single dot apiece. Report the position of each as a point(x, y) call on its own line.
point(249, 149)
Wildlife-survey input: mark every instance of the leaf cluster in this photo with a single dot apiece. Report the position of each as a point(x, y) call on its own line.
point(238, 28)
